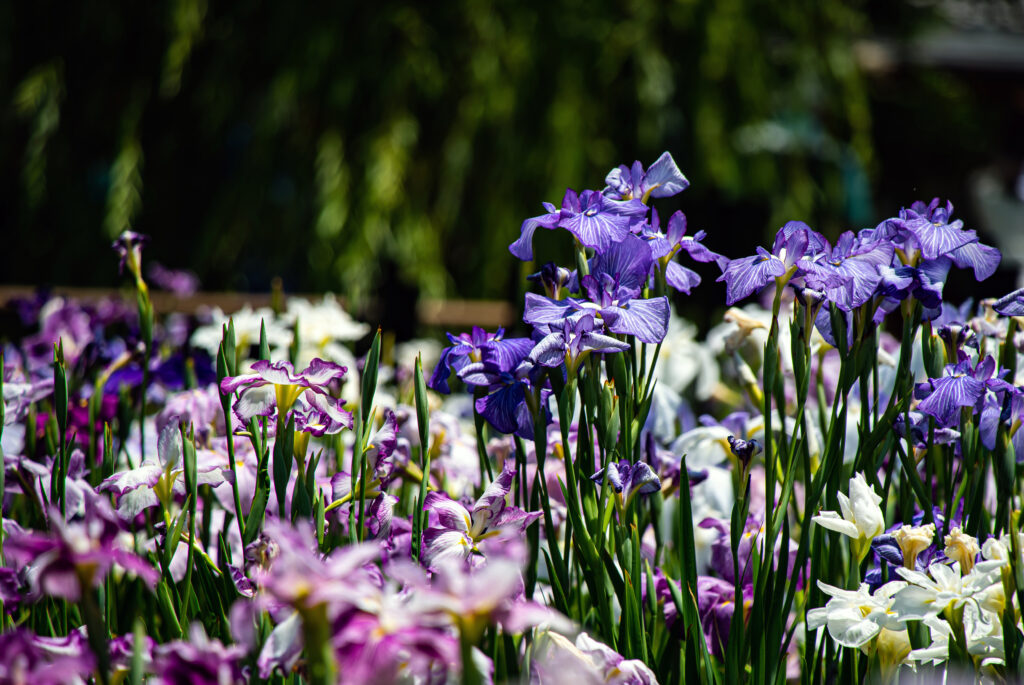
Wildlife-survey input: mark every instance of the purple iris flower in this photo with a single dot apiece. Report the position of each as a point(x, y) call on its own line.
point(664, 246)
point(962, 385)
point(467, 348)
point(199, 660)
point(919, 431)
point(277, 385)
point(930, 228)
point(553, 278)
point(29, 658)
point(595, 221)
point(716, 603)
point(180, 283)
point(611, 298)
point(76, 553)
point(571, 342)
point(129, 248)
point(853, 262)
point(1011, 304)
point(924, 283)
point(795, 246)
point(630, 480)
point(661, 179)
point(510, 405)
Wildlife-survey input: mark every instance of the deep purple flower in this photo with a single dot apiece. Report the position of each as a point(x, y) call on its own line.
point(513, 400)
point(617, 307)
point(129, 250)
point(1011, 304)
point(467, 348)
point(665, 246)
point(629, 480)
point(553, 278)
point(662, 179)
point(744, 449)
point(76, 555)
point(930, 229)
point(716, 603)
point(29, 658)
point(962, 385)
point(924, 283)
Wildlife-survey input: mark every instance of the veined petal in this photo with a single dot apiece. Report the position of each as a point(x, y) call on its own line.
point(663, 178)
point(256, 401)
point(441, 546)
point(522, 248)
point(749, 274)
point(983, 259)
point(681, 278)
point(645, 319)
point(450, 513)
point(540, 309)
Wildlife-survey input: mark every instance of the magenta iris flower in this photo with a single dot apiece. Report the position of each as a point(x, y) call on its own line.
point(458, 530)
point(277, 385)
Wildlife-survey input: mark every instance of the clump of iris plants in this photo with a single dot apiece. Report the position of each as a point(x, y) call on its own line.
point(823, 488)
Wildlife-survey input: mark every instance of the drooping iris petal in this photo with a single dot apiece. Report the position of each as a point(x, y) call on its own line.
point(506, 410)
point(948, 394)
point(747, 275)
point(983, 259)
point(1011, 304)
point(645, 319)
point(522, 248)
point(540, 309)
point(681, 278)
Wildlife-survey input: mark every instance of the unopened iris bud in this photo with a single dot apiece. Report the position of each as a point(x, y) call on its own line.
point(553, 278)
point(962, 548)
point(744, 449)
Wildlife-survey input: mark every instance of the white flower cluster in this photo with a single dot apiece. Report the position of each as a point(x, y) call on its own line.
point(961, 601)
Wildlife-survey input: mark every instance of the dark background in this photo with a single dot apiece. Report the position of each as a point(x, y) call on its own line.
point(389, 151)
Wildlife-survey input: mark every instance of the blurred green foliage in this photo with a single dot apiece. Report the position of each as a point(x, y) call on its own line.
point(360, 147)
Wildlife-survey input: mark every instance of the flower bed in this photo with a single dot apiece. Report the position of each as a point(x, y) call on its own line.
point(241, 499)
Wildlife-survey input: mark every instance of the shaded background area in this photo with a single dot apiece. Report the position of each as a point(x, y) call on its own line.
point(389, 151)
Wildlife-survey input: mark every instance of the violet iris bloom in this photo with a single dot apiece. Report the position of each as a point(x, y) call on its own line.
point(128, 247)
point(616, 306)
point(716, 603)
point(572, 342)
point(662, 179)
point(930, 229)
point(467, 348)
point(962, 385)
point(199, 660)
point(853, 262)
point(595, 221)
point(664, 246)
point(629, 480)
point(795, 245)
point(29, 658)
point(924, 284)
point(513, 401)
